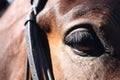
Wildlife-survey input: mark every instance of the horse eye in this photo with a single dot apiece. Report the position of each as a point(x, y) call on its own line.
point(84, 41)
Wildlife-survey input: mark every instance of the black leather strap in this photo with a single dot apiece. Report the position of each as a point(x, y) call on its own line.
point(29, 24)
point(38, 4)
point(37, 62)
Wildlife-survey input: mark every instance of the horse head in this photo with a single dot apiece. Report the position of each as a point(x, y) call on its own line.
point(84, 38)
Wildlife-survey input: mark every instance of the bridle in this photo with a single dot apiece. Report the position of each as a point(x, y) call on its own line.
point(38, 57)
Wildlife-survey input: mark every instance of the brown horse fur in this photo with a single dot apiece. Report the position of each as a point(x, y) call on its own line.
point(12, 41)
point(57, 18)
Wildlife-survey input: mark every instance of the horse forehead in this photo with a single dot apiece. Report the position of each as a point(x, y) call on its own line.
point(66, 5)
point(54, 8)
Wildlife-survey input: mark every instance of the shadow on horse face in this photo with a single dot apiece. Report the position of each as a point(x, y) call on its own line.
point(84, 38)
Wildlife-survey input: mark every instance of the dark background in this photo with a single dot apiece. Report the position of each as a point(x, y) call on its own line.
point(4, 5)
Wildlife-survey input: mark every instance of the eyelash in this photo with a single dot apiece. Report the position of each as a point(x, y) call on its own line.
point(78, 38)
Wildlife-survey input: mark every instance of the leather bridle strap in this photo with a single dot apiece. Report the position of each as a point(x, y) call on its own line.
point(36, 61)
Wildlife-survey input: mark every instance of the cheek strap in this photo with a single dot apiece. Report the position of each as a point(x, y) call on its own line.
point(38, 64)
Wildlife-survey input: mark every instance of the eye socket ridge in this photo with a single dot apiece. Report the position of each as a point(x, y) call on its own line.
point(83, 39)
